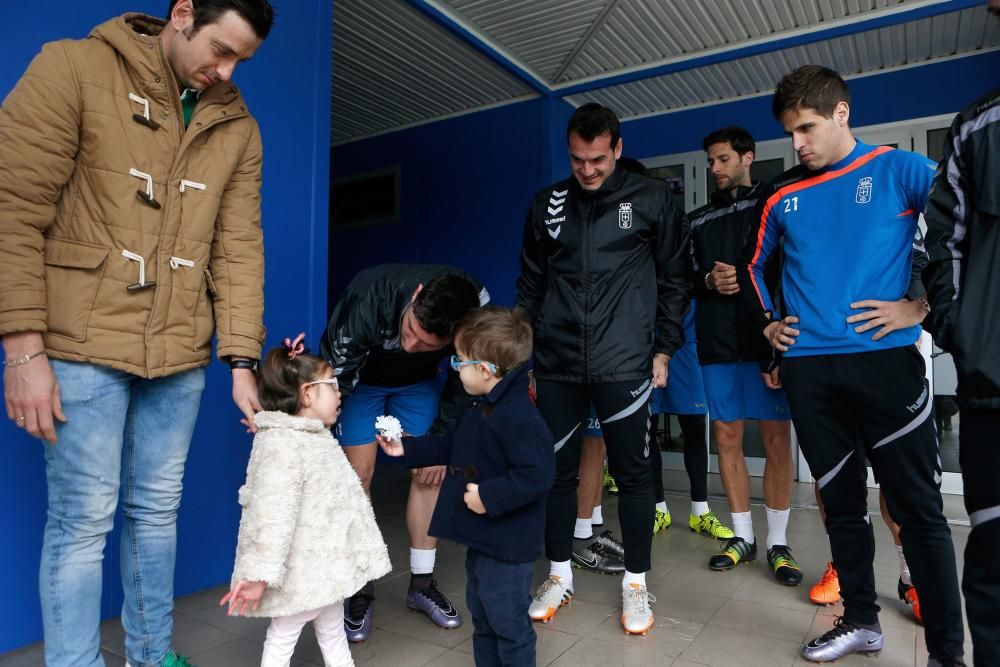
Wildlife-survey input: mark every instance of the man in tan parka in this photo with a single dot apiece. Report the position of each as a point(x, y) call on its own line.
point(130, 223)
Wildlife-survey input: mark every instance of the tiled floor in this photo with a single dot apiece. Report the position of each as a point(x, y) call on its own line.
point(702, 617)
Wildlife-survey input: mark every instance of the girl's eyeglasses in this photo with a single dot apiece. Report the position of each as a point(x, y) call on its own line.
point(330, 381)
point(456, 364)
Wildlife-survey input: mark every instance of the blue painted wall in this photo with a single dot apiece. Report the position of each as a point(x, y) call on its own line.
point(287, 85)
point(465, 186)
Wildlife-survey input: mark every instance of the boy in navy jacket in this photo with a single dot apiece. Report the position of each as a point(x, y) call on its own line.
point(500, 467)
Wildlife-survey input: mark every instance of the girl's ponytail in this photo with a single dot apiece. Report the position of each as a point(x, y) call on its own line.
point(283, 371)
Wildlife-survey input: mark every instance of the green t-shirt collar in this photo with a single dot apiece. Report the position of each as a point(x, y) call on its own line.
point(189, 99)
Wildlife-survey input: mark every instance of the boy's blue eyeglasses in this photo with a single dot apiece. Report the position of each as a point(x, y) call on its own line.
point(456, 364)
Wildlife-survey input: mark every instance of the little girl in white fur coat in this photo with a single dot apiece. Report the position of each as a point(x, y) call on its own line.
point(308, 537)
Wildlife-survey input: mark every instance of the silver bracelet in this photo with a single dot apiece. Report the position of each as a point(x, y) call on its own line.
point(22, 360)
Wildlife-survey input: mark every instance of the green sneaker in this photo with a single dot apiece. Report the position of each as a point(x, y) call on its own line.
point(737, 550)
point(661, 521)
point(786, 570)
point(709, 523)
point(174, 660)
point(609, 482)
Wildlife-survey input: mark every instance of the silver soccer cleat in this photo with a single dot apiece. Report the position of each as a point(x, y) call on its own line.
point(843, 639)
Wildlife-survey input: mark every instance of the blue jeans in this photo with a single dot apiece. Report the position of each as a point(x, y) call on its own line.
point(126, 436)
point(498, 594)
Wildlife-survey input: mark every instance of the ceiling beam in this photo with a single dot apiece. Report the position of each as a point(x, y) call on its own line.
point(848, 26)
point(471, 36)
point(594, 27)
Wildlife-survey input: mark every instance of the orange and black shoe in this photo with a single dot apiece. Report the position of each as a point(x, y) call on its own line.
point(827, 591)
point(908, 594)
point(736, 550)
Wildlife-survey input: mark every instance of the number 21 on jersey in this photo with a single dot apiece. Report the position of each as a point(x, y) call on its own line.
point(791, 204)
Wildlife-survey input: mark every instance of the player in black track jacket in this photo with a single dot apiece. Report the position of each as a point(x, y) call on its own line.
point(604, 271)
point(733, 354)
point(386, 338)
point(963, 281)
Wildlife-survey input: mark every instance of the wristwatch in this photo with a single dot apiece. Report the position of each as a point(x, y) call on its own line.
point(708, 283)
point(249, 364)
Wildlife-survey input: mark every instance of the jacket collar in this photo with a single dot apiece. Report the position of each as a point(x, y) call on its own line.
point(856, 152)
point(276, 419)
point(722, 198)
point(518, 378)
point(137, 38)
point(610, 184)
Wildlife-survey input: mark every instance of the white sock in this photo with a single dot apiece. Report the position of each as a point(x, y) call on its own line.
point(422, 561)
point(584, 529)
point(662, 506)
point(904, 569)
point(597, 518)
point(777, 522)
point(743, 525)
point(633, 578)
point(699, 507)
point(563, 571)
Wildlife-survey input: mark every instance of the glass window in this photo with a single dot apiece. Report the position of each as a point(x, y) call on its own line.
point(935, 143)
point(947, 416)
point(761, 171)
point(365, 199)
point(946, 408)
point(673, 174)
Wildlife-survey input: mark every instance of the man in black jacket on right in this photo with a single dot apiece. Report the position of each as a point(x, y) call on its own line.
point(963, 280)
point(604, 270)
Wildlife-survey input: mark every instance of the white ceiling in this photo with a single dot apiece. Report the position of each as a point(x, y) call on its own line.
point(398, 63)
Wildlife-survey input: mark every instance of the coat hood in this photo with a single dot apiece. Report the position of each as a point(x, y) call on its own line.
point(137, 38)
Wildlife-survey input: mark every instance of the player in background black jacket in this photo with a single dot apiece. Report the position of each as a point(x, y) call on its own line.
point(604, 270)
point(963, 284)
point(733, 355)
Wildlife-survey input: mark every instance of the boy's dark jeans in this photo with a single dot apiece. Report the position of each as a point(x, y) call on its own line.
point(498, 594)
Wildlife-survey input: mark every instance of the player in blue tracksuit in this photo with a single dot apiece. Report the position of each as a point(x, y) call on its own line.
point(846, 218)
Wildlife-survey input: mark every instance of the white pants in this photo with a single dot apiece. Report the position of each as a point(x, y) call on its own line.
point(284, 631)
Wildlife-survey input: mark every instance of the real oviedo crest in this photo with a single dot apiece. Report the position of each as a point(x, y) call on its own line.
point(625, 215)
point(864, 193)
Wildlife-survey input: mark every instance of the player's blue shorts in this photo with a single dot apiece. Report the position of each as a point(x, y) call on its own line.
point(415, 406)
point(685, 392)
point(737, 391)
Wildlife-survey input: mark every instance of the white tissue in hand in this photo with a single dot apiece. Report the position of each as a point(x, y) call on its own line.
point(389, 427)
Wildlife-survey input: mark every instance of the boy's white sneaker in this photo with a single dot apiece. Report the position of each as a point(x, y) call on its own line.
point(549, 597)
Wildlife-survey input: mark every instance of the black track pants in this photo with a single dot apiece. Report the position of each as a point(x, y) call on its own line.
point(623, 409)
point(877, 403)
point(979, 448)
point(695, 457)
